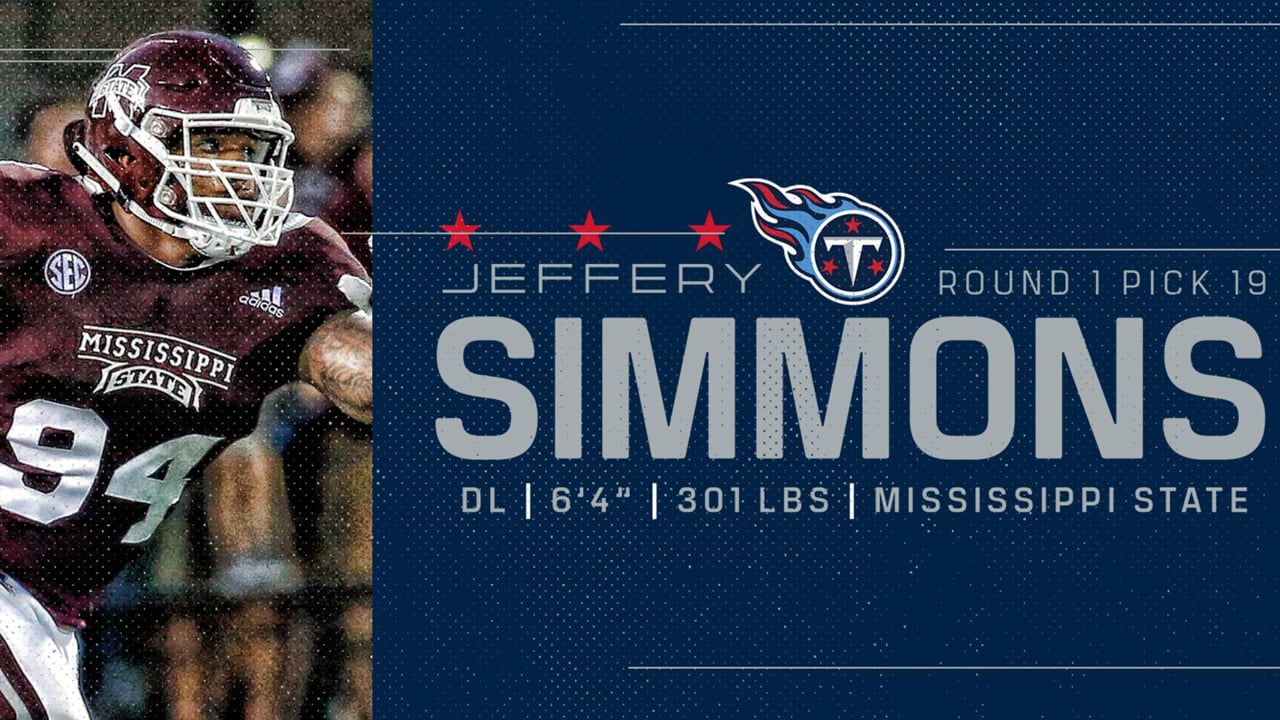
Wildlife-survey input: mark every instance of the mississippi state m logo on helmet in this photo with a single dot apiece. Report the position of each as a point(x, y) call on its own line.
point(848, 250)
point(131, 85)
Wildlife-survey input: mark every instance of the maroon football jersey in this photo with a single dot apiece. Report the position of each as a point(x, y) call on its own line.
point(120, 376)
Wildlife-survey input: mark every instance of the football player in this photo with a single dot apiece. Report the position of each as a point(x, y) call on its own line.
point(147, 307)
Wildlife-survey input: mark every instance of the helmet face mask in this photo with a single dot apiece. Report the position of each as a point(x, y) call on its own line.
point(230, 205)
point(184, 129)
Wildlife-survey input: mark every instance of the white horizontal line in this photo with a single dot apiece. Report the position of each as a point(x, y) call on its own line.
point(957, 668)
point(1111, 250)
point(614, 234)
point(957, 24)
point(303, 49)
point(112, 50)
point(52, 62)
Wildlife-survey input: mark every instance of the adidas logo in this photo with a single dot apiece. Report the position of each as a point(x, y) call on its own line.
point(268, 300)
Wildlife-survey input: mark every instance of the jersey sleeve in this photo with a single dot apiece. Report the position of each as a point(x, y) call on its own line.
point(339, 253)
point(316, 258)
point(329, 260)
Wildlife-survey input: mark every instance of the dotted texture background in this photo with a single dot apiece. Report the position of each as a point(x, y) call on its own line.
point(526, 115)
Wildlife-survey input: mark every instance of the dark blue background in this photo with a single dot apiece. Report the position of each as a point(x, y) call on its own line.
point(525, 115)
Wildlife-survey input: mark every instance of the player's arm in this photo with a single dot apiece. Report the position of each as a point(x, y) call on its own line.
point(248, 514)
point(338, 363)
point(249, 521)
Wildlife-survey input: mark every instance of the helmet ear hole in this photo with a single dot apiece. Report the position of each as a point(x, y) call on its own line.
point(119, 154)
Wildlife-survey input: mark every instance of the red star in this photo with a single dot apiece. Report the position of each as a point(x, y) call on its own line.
point(829, 267)
point(851, 225)
point(459, 233)
point(589, 232)
point(876, 267)
point(709, 233)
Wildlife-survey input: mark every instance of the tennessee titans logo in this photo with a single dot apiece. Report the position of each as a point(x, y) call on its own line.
point(850, 251)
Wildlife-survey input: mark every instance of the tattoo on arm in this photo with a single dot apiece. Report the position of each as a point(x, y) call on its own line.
point(338, 360)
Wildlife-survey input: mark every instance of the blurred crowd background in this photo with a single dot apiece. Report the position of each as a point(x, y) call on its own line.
point(179, 636)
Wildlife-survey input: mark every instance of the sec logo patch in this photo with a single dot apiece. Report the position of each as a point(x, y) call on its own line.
point(67, 272)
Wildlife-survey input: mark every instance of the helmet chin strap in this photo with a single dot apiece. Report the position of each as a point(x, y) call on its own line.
point(202, 242)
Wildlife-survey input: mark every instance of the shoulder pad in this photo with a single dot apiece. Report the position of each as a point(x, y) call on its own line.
point(37, 202)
